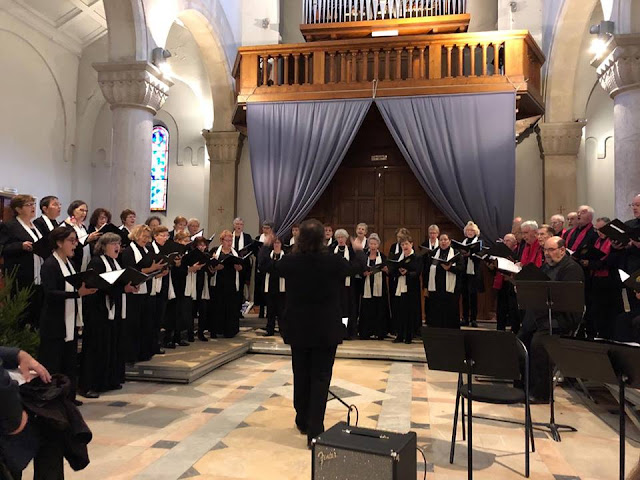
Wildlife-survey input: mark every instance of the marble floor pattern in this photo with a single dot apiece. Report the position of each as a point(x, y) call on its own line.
point(237, 423)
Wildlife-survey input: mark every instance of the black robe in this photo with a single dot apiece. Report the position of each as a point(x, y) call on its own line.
point(407, 306)
point(226, 315)
point(444, 311)
point(275, 298)
point(374, 311)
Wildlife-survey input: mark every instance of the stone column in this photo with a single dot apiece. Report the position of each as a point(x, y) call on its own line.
point(619, 75)
point(135, 91)
point(560, 143)
point(224, 153)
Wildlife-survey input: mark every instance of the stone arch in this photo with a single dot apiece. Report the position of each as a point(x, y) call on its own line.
point(573, 21)
point(127, 30)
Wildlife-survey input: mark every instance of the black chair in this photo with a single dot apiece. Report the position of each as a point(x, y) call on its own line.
point(511, 364)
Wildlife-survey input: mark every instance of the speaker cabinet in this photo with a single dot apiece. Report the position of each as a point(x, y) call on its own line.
point(354, 453)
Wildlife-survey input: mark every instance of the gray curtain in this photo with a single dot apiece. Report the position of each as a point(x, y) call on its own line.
point(295, 150)
point(462, 150)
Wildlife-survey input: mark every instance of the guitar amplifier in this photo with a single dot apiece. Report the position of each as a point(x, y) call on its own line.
point(354, 453)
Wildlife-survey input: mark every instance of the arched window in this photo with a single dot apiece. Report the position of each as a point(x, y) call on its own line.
point(159, 168)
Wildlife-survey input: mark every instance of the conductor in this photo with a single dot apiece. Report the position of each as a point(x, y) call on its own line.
point(313, 320)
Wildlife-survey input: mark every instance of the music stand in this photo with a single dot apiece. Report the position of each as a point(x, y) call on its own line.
point(472, 352)
point(555, 297)
point(600, 361)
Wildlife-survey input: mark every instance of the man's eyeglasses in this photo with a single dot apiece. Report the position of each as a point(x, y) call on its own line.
point(637, 205)
point(549, 250)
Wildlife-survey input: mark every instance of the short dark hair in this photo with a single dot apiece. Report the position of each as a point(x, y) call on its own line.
point(561, 243)
point(73, 205)
point(151, 219)
point(603, 219)
point(96, 214)
point(46, 201)
point(60, 234)
point(20, 201)
point(125, 213)
point(311, 238)
point(200, 241)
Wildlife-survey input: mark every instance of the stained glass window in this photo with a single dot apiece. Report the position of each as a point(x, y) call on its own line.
point(159, 168)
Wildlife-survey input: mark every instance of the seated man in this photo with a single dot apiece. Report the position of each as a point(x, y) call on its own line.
point(560, 267)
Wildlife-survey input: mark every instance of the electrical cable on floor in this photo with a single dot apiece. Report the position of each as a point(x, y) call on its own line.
point(424, 457)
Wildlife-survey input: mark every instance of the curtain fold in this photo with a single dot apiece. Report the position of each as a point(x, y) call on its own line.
point(462, 150)
point(296, 148)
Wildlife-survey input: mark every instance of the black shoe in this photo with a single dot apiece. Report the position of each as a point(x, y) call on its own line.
point(182, 343)
point(77, 402)
point(268, 334)
point(408, 342)
point(213, 335)
point(397, 340)
point(90, 394)
point(202, 338)
point(302, 430)
point(191, 339)
point(170, 345)
point(117, 386)
point(159, 351)
point(474, 324)
point(464, 323)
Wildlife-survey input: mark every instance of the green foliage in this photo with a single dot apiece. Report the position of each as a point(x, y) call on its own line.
point(13, 332)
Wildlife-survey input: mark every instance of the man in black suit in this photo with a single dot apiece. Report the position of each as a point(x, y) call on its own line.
point(241, 240)
point(50, 207)
point(313, 320)
point(627, 257)
point(560, 267)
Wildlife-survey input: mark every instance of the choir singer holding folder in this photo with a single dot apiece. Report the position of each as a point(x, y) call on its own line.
point(314, 278)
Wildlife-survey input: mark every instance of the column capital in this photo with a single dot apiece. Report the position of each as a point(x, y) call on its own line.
point(619, 68)
point(560, 138)
point(133, 84)
point(223, 147)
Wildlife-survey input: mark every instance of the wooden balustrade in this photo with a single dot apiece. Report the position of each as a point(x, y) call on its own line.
point(409, 65)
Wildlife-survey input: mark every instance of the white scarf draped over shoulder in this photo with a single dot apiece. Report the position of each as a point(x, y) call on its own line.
point(377, 282)
point(35, 235)
point(347, 280)
point(72, 306)
point(214, 277)
point(281, 284)
point(156, 283)
point(450, 277)
point(401, 287)
point(137, 255)
point(111, 305)
point(82, 235)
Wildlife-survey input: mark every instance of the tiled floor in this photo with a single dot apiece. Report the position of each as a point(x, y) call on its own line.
point(237, 423)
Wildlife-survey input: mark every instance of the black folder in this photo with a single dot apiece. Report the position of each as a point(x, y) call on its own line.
point(474, 247)
point(589, 252)
point(632, 280)
point(111, 228)
point(42, 247)
point(617, 231)
point(451, 261)
point(531, 273)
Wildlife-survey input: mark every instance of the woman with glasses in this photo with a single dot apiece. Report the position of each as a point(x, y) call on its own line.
point(104, 313)
point(77, 212)
point(17, 237)
point(62, 310)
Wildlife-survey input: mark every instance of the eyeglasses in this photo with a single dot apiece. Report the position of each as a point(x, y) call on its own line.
point(71, 240)
point(83, 210)
point(549, 250)
point(30, 204)
point(637, 205)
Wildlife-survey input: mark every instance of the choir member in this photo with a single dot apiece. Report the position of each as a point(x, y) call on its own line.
point(77, 212)
point(557, 223)
point(17, 238)
point(274, 286)
point(99, 218)
point(50, 207)
point(153, 221)
point(560, 267)
point(545, 232)
point(443, 288)
point(62, 310)
point(583, 234)
point(161, 292)
point(181, 307)
point(506, 301)
point(139, 324)
point(193, 226)
point(128, 219)
point(197, 289)
point(472, 280)
point(179, 225)
point(328, 235)
point(313, 320)
point(431, 243)
point(374, 309)
point(226, 283)
point(295, 231)
point(532, 251)
point(360, 241)
point(627, 257)
point(347, 295)
point(241, 240)
point(258, 292)
point(516, 230)
point(405, 300)
point(606, 295)
point(395, 249)
point(104, 313)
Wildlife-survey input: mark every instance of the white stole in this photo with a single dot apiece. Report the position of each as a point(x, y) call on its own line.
point(450, 278)
point(329, 242)
point(397, 248)
point(156, 283)
point(137, 255)
point(401, 287)
point(347, 280)
point(281, 285)
point(471, 268)
point(292, 241)
point(377, 282)
point(47, 221)
point(241, 241)
point(82, 235)
point(215, 275)
point(364, 242)
point(112, 308)
point(72, 306)
point(37, 260)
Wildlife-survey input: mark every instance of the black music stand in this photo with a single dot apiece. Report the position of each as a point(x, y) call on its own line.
point(555, 297)
point(600, 361)
point(472, 352)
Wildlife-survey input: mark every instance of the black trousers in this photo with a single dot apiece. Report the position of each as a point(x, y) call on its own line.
point(606, 304)
point(59, 356)
point(48, 462)
point(312, 369)
point(275, 310)
point(139, 328)
point(158, 318)
point(507, 309)
point(469, 299)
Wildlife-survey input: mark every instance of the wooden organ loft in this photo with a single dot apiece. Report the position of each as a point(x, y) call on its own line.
point(356, 48)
